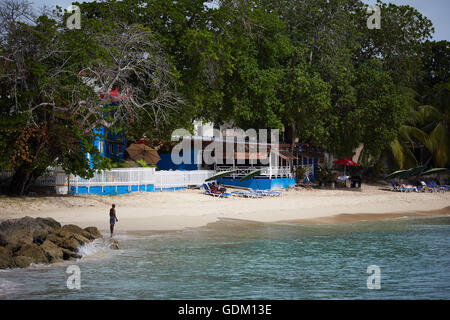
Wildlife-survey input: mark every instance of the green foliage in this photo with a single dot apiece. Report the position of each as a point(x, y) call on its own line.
point(142, 163)
point(310, 68)
point(325, 175)
point(300, 173)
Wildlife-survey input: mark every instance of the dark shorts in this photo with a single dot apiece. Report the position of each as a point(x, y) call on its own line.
point(112, 220)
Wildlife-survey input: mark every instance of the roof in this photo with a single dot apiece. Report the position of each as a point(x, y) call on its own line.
point(233, 140)
point(284, 154)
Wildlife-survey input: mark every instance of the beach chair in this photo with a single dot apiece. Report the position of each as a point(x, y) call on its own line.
point(274, 193)
point(426, 188)
point(434, 185)
point(208, 192)
point(395, 188)
point(411, 189)
point(246, 194)
point(268, 193)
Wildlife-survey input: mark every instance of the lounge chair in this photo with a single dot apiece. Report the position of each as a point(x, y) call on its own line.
point(411, 189)
point(435, 186)
point(247, 194)
point(268, 193)
point(396, 188)
point(214, 194)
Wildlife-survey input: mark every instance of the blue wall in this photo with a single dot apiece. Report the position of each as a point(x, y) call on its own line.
point(260, 184)
point(166, 162)
point(110, 150)
point(111, 190)
point(115, 150)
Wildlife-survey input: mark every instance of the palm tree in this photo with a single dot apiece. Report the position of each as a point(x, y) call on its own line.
point(426, 132)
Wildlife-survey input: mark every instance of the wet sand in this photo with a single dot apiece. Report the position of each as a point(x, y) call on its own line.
point(344, 218)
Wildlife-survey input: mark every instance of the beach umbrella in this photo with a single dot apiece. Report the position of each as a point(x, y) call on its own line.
point(394, 174)
point(434, 171)
point(413, 172)
point(220, 174)
point(143, 152)
point(405, 174)
point(347, 162)
point(250, 175)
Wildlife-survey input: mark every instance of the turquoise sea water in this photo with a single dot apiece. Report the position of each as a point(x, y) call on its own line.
point(233, 259)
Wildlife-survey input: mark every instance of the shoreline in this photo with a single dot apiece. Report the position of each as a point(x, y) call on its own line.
point(178, 210)
point(347, 218)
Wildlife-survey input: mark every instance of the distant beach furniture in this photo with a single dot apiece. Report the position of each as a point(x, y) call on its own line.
point(209, 192)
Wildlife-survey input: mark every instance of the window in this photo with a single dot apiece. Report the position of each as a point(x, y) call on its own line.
point(100, 146)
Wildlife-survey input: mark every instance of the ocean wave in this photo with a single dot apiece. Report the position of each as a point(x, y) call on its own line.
point(9, 287)
point(98, 248)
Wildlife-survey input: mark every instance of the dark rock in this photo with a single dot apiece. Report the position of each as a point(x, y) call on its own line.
point(81, 240)
point(94, 232)
point(55, 238)
point(69, 255)
point(23, 230)
point(6, 259)
point(114, 244)
point(52, 251)
point(23, 261)
point(32, 251)
point(3, 241)
point(42, 240)
point(38, 240)
point(70, 244)
point(71, 228)
point(50, 222)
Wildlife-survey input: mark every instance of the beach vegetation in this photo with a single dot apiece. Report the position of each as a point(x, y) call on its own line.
point(309, 68)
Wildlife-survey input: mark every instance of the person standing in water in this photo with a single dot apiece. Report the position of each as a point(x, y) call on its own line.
point(112, 218)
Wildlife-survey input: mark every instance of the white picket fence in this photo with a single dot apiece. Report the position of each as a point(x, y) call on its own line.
point(118, 176)
point(57, 178)
point(137, 177)
point(174, 179)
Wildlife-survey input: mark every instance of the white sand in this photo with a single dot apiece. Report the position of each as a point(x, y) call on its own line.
point(191, 208)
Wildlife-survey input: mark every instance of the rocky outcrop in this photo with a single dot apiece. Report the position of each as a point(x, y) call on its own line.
point(41, 240)
point(114, 244)
point(6, 260)
point(71, 228)
point(52, 252)
point(93, 231)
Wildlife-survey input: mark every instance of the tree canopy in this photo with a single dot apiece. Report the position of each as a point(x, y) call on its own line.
point(310, 68)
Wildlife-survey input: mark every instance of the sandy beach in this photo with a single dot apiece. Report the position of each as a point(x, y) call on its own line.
point(191, 208)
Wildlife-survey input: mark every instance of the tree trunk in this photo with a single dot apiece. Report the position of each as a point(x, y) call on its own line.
point(22, 180)
point(293, 136)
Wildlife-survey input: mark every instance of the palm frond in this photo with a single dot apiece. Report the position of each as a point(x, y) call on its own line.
point(439, 139)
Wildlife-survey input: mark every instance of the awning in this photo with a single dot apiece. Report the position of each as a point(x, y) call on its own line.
point(284, 154)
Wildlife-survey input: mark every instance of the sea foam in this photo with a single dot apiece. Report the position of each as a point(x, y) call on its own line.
point(99, 248)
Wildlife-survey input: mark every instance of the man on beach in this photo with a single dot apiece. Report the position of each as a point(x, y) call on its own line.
point(112, 218)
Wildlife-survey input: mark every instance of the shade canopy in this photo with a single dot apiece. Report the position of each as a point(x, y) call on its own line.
point(346, 162)
point(251, 174)
point(434, 171)
point(405, 174)
point(221, 174)
point(143, 152)
point(395, 174)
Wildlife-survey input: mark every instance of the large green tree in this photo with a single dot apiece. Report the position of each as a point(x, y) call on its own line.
point(424, 138)
point(51, 80)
